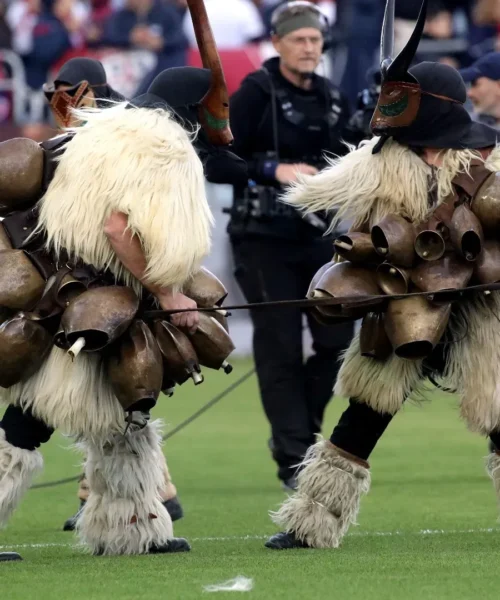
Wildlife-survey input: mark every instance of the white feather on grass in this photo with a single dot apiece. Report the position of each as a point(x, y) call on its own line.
point(238, 584)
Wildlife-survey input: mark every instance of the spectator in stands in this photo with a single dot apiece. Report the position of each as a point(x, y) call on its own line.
point(149, 25)
point(235, 23)
point(5, 33)
point(484, 79)
point(100, 12)
point(358, 24)
point(267, 7)
point(43, 30)
point(487, 12)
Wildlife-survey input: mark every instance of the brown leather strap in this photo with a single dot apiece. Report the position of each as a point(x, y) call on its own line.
point(472, 181)
point(351, 457)
point(442, 97)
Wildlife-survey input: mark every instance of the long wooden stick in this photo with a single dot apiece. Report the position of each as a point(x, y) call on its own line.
point(214, 109)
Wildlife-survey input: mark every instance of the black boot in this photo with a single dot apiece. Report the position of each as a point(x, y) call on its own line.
point(290, 484)
point(173, 545)
point(285, 541)
point(174, 508)
point(9, 556)
point(70, 524)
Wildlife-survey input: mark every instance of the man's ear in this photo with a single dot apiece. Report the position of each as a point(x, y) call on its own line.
point(276, 40)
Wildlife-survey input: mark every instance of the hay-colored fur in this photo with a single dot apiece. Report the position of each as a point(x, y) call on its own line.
point(17, 469)
point(142, 163)
point(125, 475)
point(364, 188)
point(383, 385)
point(74, 397)
point(327, 501)
point(493, 469)
point(474, 359)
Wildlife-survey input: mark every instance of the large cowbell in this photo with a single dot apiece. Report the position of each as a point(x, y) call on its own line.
point(135, 368)
point(400, 94)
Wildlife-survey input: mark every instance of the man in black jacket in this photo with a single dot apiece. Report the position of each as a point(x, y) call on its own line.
point(283, 119)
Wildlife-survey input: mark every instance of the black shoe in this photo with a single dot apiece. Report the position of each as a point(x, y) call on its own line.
point(70, 524)
point(173, 545)
point(174, 508)
point(285, 541)
point(9, 556)
point(290, 484)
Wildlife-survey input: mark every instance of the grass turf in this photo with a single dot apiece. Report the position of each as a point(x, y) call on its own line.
point(428, 474)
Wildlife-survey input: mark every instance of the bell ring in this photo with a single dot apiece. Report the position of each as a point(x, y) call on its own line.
point(21, 285)
point(356, 248)
point(486, 205)
point(430, 243)
point(5, 243)
point(135, 369)
point(205, 289)
point(180, 361)
point(348, 280)
point(24, 345)
point(99, 316)
point(316, 278)
point(487, 266)
point(394, 240)
point(212, 344)
point(393, 280)
point(21, 176)
point(466, 233)
point(449, 273)
point(414, 326)
point(373, 340)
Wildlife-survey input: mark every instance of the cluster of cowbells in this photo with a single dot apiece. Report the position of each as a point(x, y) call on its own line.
point(457, 247)
point(80, 315)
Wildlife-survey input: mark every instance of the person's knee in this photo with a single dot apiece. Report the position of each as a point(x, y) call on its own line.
point(23, 430)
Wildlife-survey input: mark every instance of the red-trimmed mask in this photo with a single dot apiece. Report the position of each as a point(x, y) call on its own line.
point(62, 102)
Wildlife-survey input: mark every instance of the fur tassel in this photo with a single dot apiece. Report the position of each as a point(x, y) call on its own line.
point(124, 513)
point(142, 163)
point(382, 385)
point(327, 501)
point(17, 469)
point(75, 397)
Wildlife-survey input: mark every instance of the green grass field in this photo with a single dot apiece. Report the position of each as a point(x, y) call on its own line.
point(427, 530)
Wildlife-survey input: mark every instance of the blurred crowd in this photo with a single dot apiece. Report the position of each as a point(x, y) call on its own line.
point(44, 32)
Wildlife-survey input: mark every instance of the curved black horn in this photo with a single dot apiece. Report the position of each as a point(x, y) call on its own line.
point(387, 40)
point(398, 70)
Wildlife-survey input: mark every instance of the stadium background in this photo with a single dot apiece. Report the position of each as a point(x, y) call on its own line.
point(37, 36)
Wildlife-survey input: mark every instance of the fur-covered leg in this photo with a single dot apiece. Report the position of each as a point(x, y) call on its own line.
point(169, 495)
point(493, 468)
point(124, 513)
point(326, 503)
point(83, 496)
point(17, 469)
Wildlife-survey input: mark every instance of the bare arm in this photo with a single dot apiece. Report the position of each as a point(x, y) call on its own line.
point(129, 250)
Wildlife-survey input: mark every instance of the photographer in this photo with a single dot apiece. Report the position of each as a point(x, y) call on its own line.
point(284, 117)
